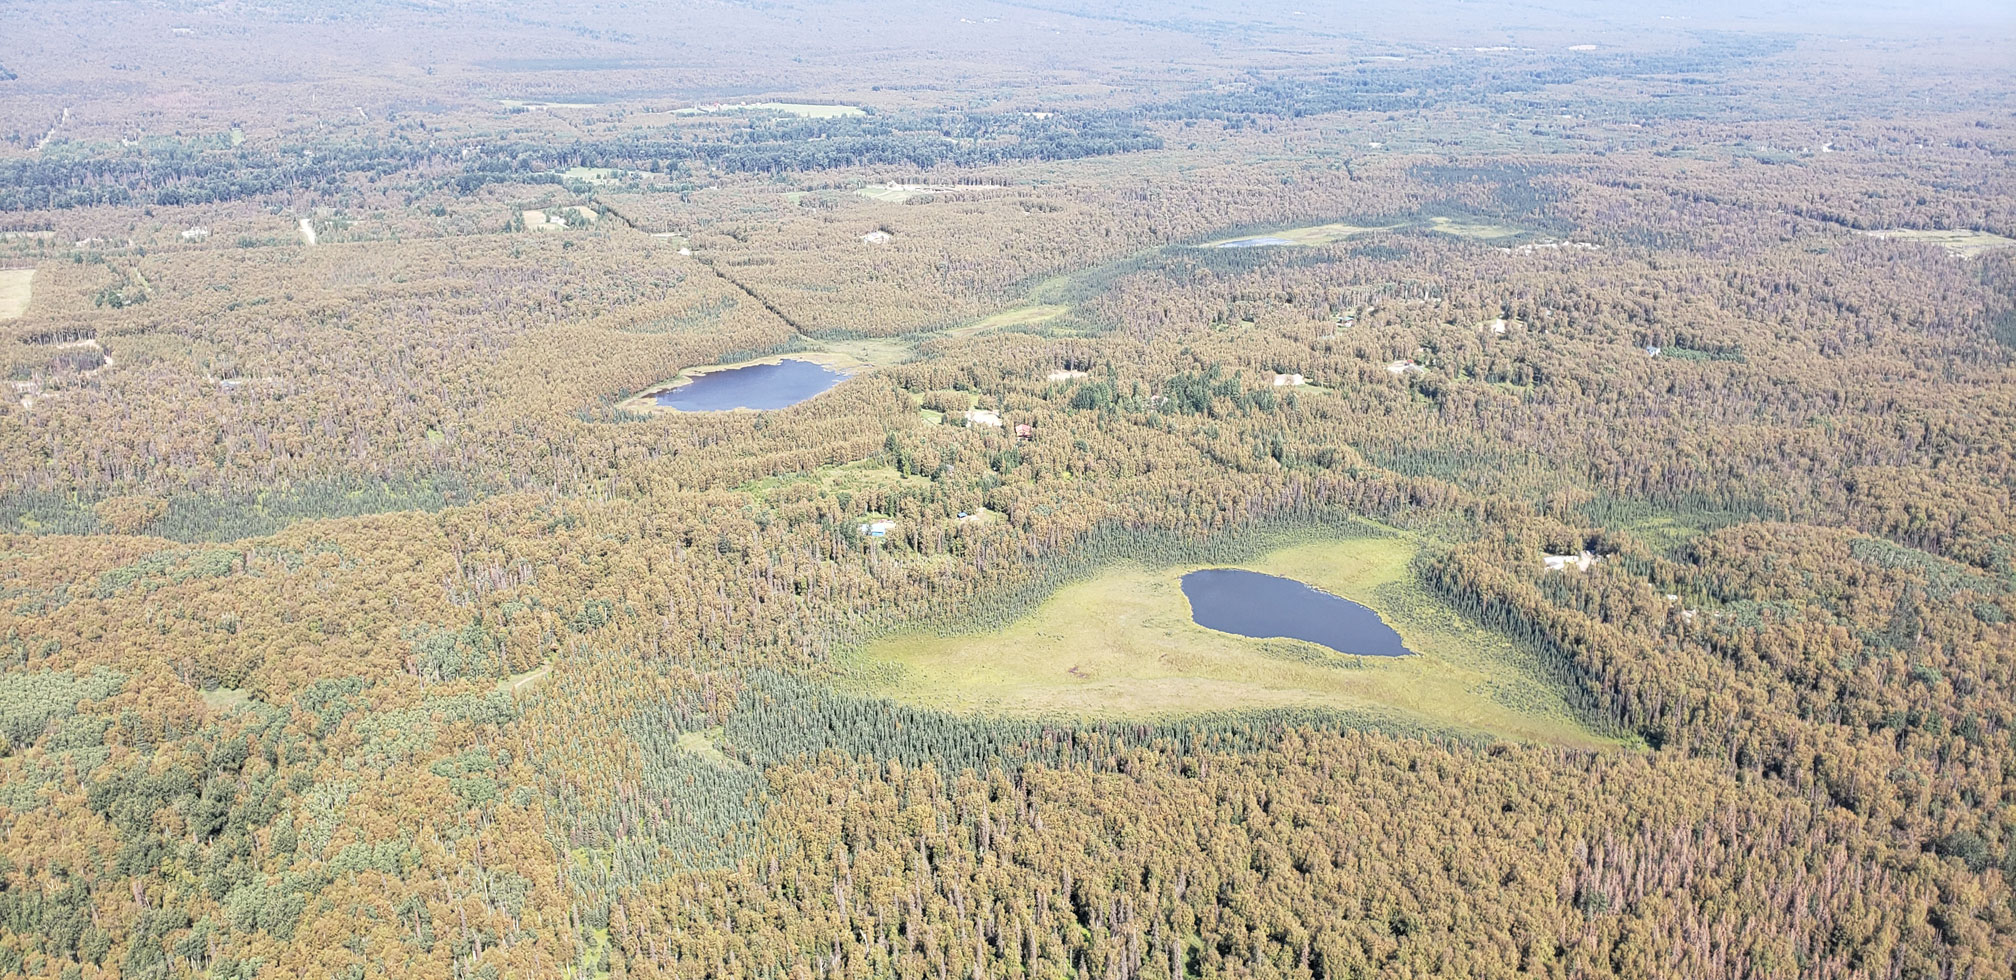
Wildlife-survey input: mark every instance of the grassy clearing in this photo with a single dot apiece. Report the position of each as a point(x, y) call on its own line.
point(1330, 234)
point(937, 417)
point(1310, 235)
point(557, 218)
point(1021, 316)
point(1123, 644)
point(593, 175)
point(16, 287)
point(1472, 229)
point(706, 746)
point(805, 110)
point(518, 682)
point(227, 700)
point(893, 193)
point(857, 477)
point(1965, 244)
point(1662, 529)
point(870, 351)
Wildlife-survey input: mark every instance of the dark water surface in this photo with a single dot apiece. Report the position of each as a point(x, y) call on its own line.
point(758, 386)
point(1261, 242)
point(1251, 604)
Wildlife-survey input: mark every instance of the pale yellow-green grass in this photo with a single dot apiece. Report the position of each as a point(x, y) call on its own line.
point(1312, 234)
point(805, 110)
point(1122, 644)
point(870, 351)
point(1330, 234)
point(893, 193)
point(556, 220)
point(16, 287)
point(707, 746)
point(1963, 243)
point(936, 417)
point(855, 477)
point(1472, 229)
point(810, 110)
point(1021, 316)
point(885, 193)
point(518, 682)
point(226, 700)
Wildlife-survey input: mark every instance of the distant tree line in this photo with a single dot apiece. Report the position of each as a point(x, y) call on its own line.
point(208, 171)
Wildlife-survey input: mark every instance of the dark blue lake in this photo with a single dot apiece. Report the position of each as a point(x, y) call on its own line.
point(1251, 604)
point(758, 386)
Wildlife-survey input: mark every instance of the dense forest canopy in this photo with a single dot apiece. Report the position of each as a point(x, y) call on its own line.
point(364, 611)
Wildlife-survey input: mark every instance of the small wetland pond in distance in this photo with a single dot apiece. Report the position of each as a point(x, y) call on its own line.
point(1261, 242)
point(1233, 600)
point(758, 386)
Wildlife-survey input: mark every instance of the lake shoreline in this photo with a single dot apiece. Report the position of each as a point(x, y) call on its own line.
point(1261, 606)
point(647, 400)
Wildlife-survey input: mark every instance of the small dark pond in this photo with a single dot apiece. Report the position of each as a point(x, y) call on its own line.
point(1255, 242)
point(758, 386)
point(1251, 604)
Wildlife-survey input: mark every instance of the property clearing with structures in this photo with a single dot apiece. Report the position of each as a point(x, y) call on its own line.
point(557, 219)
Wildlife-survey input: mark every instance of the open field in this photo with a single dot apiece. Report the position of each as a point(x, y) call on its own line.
point(867, 352)
point(1471, 229)
point(556, 219)
point(705, 745)
point(856, 477)
point(1123, 644)
point(893, 193)
point(1334, 232)
point(1021, 316)
point(804, 110)
point(1311, 235)
point(1963, 243)
point(16, 288)
point(520, 681)
point(226, 700)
